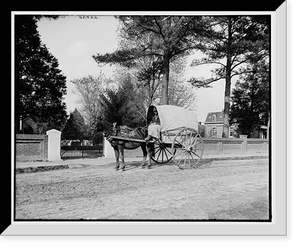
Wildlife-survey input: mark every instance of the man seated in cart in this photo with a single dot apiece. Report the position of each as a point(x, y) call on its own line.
point(154, 126)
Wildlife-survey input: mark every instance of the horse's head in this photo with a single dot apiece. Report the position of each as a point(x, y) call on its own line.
point(110, 131)
point(114, 128)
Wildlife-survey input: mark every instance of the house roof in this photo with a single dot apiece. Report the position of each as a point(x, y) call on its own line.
point(214, 117)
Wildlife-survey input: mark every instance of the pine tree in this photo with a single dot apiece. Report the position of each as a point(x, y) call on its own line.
point(123, 106)
point(232, 42)
point(75, 127)
point(251, 99)
point(161, 38)
point(39, 83)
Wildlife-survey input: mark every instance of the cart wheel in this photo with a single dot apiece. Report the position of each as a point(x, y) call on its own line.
point(188, 146)
point(162, 152)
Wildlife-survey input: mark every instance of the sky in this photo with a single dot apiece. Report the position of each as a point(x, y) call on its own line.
point(74, 39)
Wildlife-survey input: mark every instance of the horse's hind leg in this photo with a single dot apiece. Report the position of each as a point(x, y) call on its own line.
point(149, 148)
point(144, 149)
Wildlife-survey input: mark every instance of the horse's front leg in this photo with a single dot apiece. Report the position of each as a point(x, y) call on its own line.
point(117, 154)
point(121, 149)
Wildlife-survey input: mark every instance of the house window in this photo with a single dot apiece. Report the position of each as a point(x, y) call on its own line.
point(231, 131)
point(214, 131)
point(214, 118)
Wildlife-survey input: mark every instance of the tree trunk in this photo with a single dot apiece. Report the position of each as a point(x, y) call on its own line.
point(226, 105)
point(269, 124)
point(227, 83)
point(165, 81)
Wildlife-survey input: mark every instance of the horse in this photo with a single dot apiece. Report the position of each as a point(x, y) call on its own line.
point(120, 145)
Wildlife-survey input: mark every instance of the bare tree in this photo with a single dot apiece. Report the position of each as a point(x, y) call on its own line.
point(89, 89)
point(147, 80)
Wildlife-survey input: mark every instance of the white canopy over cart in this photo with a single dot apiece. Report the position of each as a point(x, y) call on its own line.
point(174, 118)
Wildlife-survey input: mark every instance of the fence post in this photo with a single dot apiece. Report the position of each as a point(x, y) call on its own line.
point(220, 147)
point(244, 143)
point(54, 145)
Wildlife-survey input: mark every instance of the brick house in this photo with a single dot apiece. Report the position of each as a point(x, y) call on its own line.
point(214, 125)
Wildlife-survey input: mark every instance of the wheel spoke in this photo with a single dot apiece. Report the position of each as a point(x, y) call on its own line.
point(192, 155)
point(193, 143)
point(166, 155)
point(184, 160)
point(178, 144)
point(190, 138)
point(177, 155)
point(196, 154)
point(158, 155)
point(188, 155)
point(156, 150)
point(168, 151)
point(178, 162)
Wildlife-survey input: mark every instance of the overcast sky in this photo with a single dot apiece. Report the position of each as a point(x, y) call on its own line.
point(74, 39)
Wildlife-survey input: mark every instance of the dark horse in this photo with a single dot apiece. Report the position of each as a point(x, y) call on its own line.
point(120, 145)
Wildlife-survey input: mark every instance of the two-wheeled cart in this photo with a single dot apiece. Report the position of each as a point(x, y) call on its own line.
point(179, 139)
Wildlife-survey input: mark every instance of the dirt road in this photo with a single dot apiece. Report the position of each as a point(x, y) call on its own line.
point(222, 190)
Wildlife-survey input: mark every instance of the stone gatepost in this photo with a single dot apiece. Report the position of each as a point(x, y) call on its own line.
point(108, 149)
point(244, 143)
point(54, 145)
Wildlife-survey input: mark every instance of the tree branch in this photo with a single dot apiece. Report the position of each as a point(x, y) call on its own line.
point(204, 61)
point(159, 27)
point(203, 82)
point(239, 63)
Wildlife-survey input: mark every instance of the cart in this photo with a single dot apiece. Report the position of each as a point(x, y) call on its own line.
point(179, 139)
